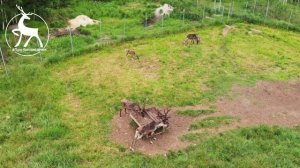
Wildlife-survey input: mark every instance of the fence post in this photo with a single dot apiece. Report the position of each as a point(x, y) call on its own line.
point(245, 11)
point(183, 13)
point(220, 5)
point(162, 22)
point(222, 13)
point(215, 3)
point(100, 26)
point(3, 60)
point(255, 1)
point(267, 8)
point(71, 40)
point(40, 55)
point(229, 12)
point(290, 20)
point(146, 16)
point(124, 27)
point(203, 14)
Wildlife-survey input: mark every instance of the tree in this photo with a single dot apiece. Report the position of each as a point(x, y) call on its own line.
point(8, 7)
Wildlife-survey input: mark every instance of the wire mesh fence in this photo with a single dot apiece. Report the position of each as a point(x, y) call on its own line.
point(112, 30)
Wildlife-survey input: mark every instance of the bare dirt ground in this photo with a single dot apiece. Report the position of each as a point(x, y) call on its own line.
point(269, 103)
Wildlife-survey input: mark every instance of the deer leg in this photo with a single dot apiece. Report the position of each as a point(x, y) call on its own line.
point(19, 41)
point(133, 144)
point(120, 112)
point(152, 137)
point(40, 42)
point(125, 110)
point(136, 137)
point(14, 32)
point(186, 41)
point(25, 45)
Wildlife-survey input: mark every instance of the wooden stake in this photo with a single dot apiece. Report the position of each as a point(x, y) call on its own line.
point(215, 3)
point(100, 26)
point(290, 20)
point(245, 11)
point(254, 6)
point(71, 40)
point(267, 11)
point(3, 60)
point(183, 16)
point(203, 14)
point(124, 27)
point(146, 20)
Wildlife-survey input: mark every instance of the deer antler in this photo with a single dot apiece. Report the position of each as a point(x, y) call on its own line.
point(166, 111)
point(20, 9)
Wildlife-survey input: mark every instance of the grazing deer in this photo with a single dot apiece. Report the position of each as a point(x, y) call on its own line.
point(131, 53)
point(128, 105)
point(192, 38)
point(26, 31)
point(149, 129)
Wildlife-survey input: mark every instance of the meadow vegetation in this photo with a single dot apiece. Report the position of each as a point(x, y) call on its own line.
point(56, 112)
point(212, 122)
point(195, 113)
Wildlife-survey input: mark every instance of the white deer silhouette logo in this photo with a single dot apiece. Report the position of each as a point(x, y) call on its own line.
point(26, 31)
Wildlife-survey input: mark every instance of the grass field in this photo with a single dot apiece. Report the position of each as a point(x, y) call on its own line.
point(58, 115)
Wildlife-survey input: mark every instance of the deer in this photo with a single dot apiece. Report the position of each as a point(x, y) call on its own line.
point(26, 31)
point(149, 129)
point(131, 53)
point(128, 105)
point(193, 38)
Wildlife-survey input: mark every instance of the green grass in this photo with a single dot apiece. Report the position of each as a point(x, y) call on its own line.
point(212, 122)
point(194, 137)
point(70, 104)
point(195, 113)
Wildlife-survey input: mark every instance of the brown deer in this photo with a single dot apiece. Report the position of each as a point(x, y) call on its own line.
point(128, 105)
point(149, 129)
point(192, 38)
point(131, 53)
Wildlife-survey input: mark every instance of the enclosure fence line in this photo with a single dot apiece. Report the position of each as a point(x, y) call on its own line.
point(210, 13)
point(289, 20)
point(124, 26)
point(71, 41)
point(3, 60)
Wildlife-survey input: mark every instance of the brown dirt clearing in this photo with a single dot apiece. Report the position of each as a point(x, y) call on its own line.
point(269, 103)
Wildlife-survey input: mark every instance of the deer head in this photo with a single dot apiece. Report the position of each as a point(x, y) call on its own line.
point(164, 117)
point(25, 15)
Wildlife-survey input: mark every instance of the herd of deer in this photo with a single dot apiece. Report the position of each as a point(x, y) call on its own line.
point(160, 121)
point(148, 129)
point(190, 39)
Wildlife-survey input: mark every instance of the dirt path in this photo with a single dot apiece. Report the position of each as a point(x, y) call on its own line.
point(270, 103)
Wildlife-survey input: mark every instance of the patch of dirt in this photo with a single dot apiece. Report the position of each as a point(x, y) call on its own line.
point(227, 30)
point(254, 31)
point(269, 103)
point(123, 133)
